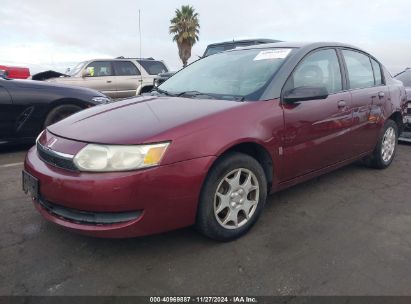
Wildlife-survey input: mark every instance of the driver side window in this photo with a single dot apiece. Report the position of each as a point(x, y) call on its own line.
point(319, 69)
point(99, 69)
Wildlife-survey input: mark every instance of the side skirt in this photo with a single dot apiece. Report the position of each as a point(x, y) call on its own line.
point(313, 174)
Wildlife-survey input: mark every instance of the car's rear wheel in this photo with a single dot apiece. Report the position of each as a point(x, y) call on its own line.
point(59, 113)
point(386, 147)
point(232, 197)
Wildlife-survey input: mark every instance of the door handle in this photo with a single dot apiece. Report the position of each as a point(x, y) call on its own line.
point(342, 104)
point(108, 81)
point(379, 95)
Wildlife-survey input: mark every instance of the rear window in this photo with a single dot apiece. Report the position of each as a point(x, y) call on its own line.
point(377, 72)
point(153, 67)
point(360, 72)
point(125, 68)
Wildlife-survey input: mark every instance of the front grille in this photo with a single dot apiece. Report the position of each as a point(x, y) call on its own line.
point(56, 159)
point(87, 217)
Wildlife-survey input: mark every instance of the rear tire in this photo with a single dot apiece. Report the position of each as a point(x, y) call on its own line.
point(386, 147)
point(59, 113)
point(232, 197)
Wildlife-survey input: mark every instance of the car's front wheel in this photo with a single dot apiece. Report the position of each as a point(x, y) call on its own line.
point(386, 147)
point(232, 197)
point(59, 113)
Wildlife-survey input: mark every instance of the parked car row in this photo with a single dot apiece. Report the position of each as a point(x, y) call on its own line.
point(209, 144)
point(28, 107)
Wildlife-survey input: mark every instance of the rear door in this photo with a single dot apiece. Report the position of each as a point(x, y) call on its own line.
point(316, 130)
point(127, 78)
point(101, 77)
point(6, 113)
point(368, 94)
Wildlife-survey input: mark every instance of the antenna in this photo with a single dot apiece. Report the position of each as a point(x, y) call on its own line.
point(139, 29)
point(139, 33)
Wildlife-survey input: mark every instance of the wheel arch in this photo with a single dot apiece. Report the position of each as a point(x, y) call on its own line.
point(63, 101)
point(258, 152)
point(398, 119)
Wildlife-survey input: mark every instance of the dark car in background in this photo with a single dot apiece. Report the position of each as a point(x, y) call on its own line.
point(28, 106)
point(229, 45)
point(405, 78)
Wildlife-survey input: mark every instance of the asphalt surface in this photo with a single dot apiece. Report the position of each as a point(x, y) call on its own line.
point(345, 233)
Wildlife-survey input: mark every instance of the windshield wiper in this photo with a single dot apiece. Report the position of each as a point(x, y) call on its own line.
point(193, 94)
point(163, 92)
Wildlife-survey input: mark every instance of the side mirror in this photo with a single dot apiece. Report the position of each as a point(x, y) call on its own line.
point(305, 93)
point(88, 72)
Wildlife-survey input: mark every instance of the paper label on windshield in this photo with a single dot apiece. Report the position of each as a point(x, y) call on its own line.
point(272, 54)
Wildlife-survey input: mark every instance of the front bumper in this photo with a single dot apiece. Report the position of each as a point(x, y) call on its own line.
point(162, 198)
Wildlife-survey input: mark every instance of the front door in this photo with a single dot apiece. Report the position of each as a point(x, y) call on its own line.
point(100, 77)
point(316, 130)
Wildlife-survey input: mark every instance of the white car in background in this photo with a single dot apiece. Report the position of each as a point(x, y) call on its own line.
point(117, 78)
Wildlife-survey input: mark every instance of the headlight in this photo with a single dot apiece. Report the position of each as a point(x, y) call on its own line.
point(108, 158)
point(101, 99)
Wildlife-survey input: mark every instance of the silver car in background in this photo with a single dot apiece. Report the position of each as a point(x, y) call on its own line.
point(118, 78)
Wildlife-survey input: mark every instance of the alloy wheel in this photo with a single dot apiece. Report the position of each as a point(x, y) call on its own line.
point(236, 198)
point(388, 144)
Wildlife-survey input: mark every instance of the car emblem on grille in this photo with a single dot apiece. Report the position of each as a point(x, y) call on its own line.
point(51, 142)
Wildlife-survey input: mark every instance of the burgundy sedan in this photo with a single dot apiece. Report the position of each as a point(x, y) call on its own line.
point(209, 145)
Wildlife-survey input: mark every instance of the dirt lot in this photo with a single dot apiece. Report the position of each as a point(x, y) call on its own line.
point(346, 233)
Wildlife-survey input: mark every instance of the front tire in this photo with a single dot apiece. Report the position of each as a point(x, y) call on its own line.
point(386, 147)
point(59, 113)
point(232, 197)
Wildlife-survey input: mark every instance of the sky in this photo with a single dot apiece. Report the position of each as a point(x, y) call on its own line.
point(49, 34)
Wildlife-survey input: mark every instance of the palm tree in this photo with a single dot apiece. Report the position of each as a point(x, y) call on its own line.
point(185, 28)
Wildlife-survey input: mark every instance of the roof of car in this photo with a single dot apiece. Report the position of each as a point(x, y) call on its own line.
point(260, 40)
point(303, 46)
point(121, 58)
point(299, 45)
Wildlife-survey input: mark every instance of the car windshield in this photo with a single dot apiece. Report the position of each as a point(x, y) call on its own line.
point(76, 69)
point(153, 67)
point(239, 74)
point(405, 77)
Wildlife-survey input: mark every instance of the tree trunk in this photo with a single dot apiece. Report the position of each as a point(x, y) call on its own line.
point(184, 51)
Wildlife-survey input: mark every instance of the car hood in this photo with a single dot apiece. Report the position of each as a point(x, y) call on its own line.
point(40, 85)
point(139, 120)
point(47, 75)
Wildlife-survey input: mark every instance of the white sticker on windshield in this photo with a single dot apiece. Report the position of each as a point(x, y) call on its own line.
point(272, 54)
